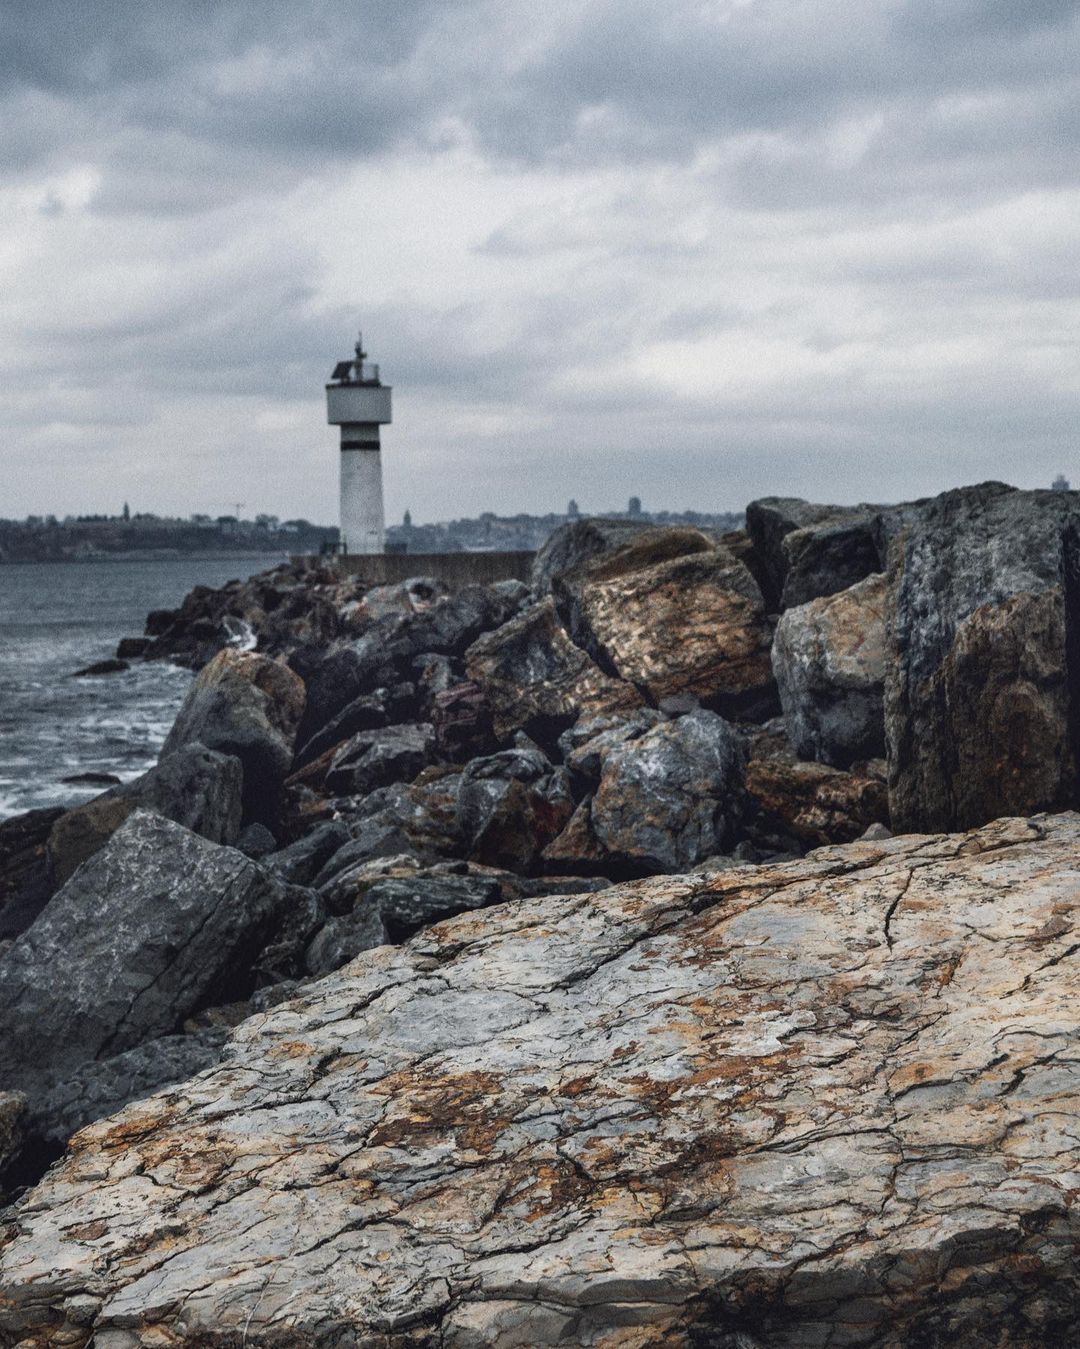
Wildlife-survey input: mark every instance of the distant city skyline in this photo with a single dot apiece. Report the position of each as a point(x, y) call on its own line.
point(703, 251)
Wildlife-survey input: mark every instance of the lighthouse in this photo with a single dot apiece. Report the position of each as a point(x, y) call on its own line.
point(358, 402)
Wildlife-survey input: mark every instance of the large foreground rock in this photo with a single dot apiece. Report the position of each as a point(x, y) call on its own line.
point(829, 1102)
point(981, 664)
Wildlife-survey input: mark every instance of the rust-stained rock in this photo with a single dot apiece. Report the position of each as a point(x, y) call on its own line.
point(688, 625)
point(981, 670)
point(825, 1102)
point(829, 661)
point(537, 681)
point(812, 804)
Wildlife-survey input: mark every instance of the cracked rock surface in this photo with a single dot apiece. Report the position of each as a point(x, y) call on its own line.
point(829, 1102)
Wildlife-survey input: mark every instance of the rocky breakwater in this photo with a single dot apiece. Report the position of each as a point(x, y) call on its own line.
point(828, 1102)
point(352, 767)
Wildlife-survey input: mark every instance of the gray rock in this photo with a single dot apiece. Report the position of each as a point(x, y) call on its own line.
point(197, 787)
point(826, 1102)
point(464, 726)
point(510, 806)
point(418, 818)
point(12, 1127)
point(671, 797)
point(391, 910)
point(536, 680)
point(301, 862)
point(339, 679)
point(159, 923)
point(586, 745)
point(25, 883)
point(380, 757)
point(248, 706)
point(980, 683)
point(256, 841)
point(193, 786)
point(366, 713)
point(829, 660)
point(804, 550)
point(451, 625)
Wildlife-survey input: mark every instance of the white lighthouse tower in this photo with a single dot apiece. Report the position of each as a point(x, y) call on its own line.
point(358, 402)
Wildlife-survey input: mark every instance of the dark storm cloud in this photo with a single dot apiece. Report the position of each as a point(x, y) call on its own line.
point(249, 95)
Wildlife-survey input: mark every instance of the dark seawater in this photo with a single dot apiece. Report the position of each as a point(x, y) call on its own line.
point(56, 618)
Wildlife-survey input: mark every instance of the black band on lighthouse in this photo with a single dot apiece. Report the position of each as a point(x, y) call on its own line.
point(360, 445)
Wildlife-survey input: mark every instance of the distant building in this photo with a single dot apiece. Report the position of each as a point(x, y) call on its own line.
point(1060, 483)
point(126, 513)
point(633, 507)
point(572, 509)
point(406, 520)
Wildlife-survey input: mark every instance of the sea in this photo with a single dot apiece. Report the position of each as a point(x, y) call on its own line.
point(56, 618)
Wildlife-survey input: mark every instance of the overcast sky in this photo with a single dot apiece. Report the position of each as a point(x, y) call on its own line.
point(695, 250)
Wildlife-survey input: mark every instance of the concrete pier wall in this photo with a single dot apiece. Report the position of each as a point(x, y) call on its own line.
point(453, 569)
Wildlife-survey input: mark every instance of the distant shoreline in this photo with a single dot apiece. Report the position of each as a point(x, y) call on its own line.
point(162, 555)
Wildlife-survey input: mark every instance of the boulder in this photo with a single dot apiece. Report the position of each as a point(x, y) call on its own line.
point(666, 800)
point(131, 648)
point(83, 831)
point(980, 666)
point(435, 674)
point(412, 596)
point(536, 680)
point(585, 746)
point(574, 545)
point(158, 923)
point(510, 806)
point(300, 862)
point(380, 757)
point(805, 550)
point(12, 1127)
point(248, 706)
point(394, 908)
point(824, 1102)
point(256, 841)
point(103, 667)
point(453, 622)
point(194, 786)
point(338, 679)
point(797, 805)
point(366, 713)
point(694, 625)
point(417, 818)
point(829, 660)
point(463, 723)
